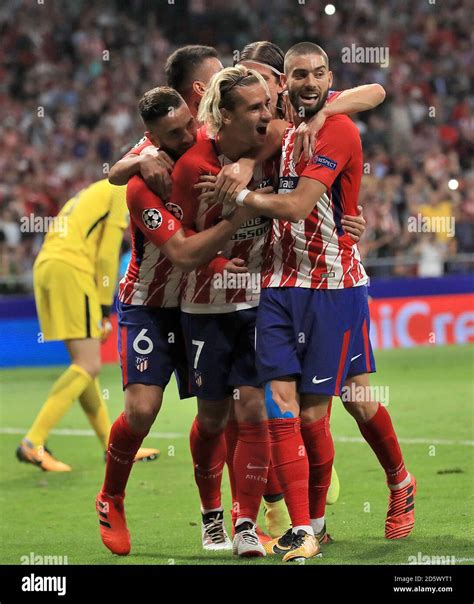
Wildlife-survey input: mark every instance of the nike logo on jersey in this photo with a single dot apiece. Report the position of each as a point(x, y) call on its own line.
point(316, 381)
point(252, 467)
point(356, 357)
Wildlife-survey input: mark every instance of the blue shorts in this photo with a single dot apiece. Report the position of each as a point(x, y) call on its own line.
point(221, 352)
point(151, 346)
point(319, 336)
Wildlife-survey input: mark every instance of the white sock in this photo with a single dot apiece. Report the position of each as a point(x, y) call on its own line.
point(317, 524)
point(303, 527)
point(203, 511)
point(240, 521)
point(400, 485)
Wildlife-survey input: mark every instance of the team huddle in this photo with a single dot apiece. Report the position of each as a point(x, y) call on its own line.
point(246, 282)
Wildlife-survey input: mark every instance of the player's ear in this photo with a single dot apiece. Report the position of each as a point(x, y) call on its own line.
point(330, 79)
point(226, 117)
point(199, 88)
point(282, 83)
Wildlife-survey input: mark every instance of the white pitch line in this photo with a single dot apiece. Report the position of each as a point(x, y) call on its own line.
point(409, 441)
point(74, 432)
point(340, 439)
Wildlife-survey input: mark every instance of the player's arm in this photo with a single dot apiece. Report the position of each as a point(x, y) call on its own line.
point(153, 165)
point(293, 206)
point(166, 232)
point(336, 147)
point(353, 100)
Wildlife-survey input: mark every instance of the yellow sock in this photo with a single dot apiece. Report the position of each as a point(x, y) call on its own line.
point(96, 410)
point(65, 391)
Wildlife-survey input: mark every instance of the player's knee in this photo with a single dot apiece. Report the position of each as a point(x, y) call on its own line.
point(250, 407)
point(141, 413)
point(312, 414)
point(140, 419)
point(212, 424)
point(91, 365)
point(280, 405)
point(361, 411)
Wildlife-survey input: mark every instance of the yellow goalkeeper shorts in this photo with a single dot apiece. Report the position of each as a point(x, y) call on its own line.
point(67, 302)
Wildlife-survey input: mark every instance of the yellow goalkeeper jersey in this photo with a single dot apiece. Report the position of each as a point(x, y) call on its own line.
point(87, 234)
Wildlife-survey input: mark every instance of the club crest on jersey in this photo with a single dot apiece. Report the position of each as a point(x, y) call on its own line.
point(175, 209)
point(141, 364)
point(198, 378)
point(325, 161)
point(152, 218)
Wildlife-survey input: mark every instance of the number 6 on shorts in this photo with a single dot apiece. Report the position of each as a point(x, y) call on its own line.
point(199, 344)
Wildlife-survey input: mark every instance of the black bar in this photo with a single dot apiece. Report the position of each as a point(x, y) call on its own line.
point(244, 583)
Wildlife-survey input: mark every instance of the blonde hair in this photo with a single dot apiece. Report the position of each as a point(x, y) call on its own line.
point(222, 94)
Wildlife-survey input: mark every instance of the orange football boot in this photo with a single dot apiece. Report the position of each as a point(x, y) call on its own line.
point(401, 512)
point(40, 457)
point(113, 525)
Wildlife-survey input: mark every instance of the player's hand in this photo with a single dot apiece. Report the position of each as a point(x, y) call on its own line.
point(236, 265)
point(106, 329)
point(305, 136)
point(231, 180)
point(156, 167)
point(354, 225)
point(207, 186)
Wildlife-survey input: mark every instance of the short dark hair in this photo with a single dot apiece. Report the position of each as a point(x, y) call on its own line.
point(264, 52)
point(157, 102)
point(181, 64)
point(306, 48)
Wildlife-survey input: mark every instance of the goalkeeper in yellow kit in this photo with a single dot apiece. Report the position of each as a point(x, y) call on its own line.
point(75, 276)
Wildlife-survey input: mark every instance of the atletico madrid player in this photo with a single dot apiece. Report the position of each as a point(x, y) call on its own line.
point(313, 320)
point(150, 342)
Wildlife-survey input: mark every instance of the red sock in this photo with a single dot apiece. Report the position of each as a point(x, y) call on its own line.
point(290, 461)
point(273, 485)
point(380, 435)
point(320, 448)
point(231, 437)
point(208, 452)
point(123, 446)
point(251, 461)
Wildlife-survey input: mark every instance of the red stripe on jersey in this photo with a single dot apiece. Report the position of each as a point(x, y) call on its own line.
point(123, 334)
point(342, 361)
point(365, 335)
point(288, 255)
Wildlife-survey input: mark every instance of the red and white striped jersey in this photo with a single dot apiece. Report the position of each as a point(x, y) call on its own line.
point(316, 252)
point(205, 292)
point(151, 278)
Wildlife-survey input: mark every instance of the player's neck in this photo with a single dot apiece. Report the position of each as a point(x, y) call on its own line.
point(230, 147)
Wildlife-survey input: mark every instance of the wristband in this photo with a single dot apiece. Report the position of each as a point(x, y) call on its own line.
point(239, 200)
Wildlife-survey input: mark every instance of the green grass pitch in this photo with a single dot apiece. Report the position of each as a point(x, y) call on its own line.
point(431, 401)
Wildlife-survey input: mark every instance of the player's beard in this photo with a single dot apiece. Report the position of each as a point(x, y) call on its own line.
point(175, 155)
point(309, 112)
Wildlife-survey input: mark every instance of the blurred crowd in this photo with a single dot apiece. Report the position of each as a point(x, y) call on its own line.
point(71, 73)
